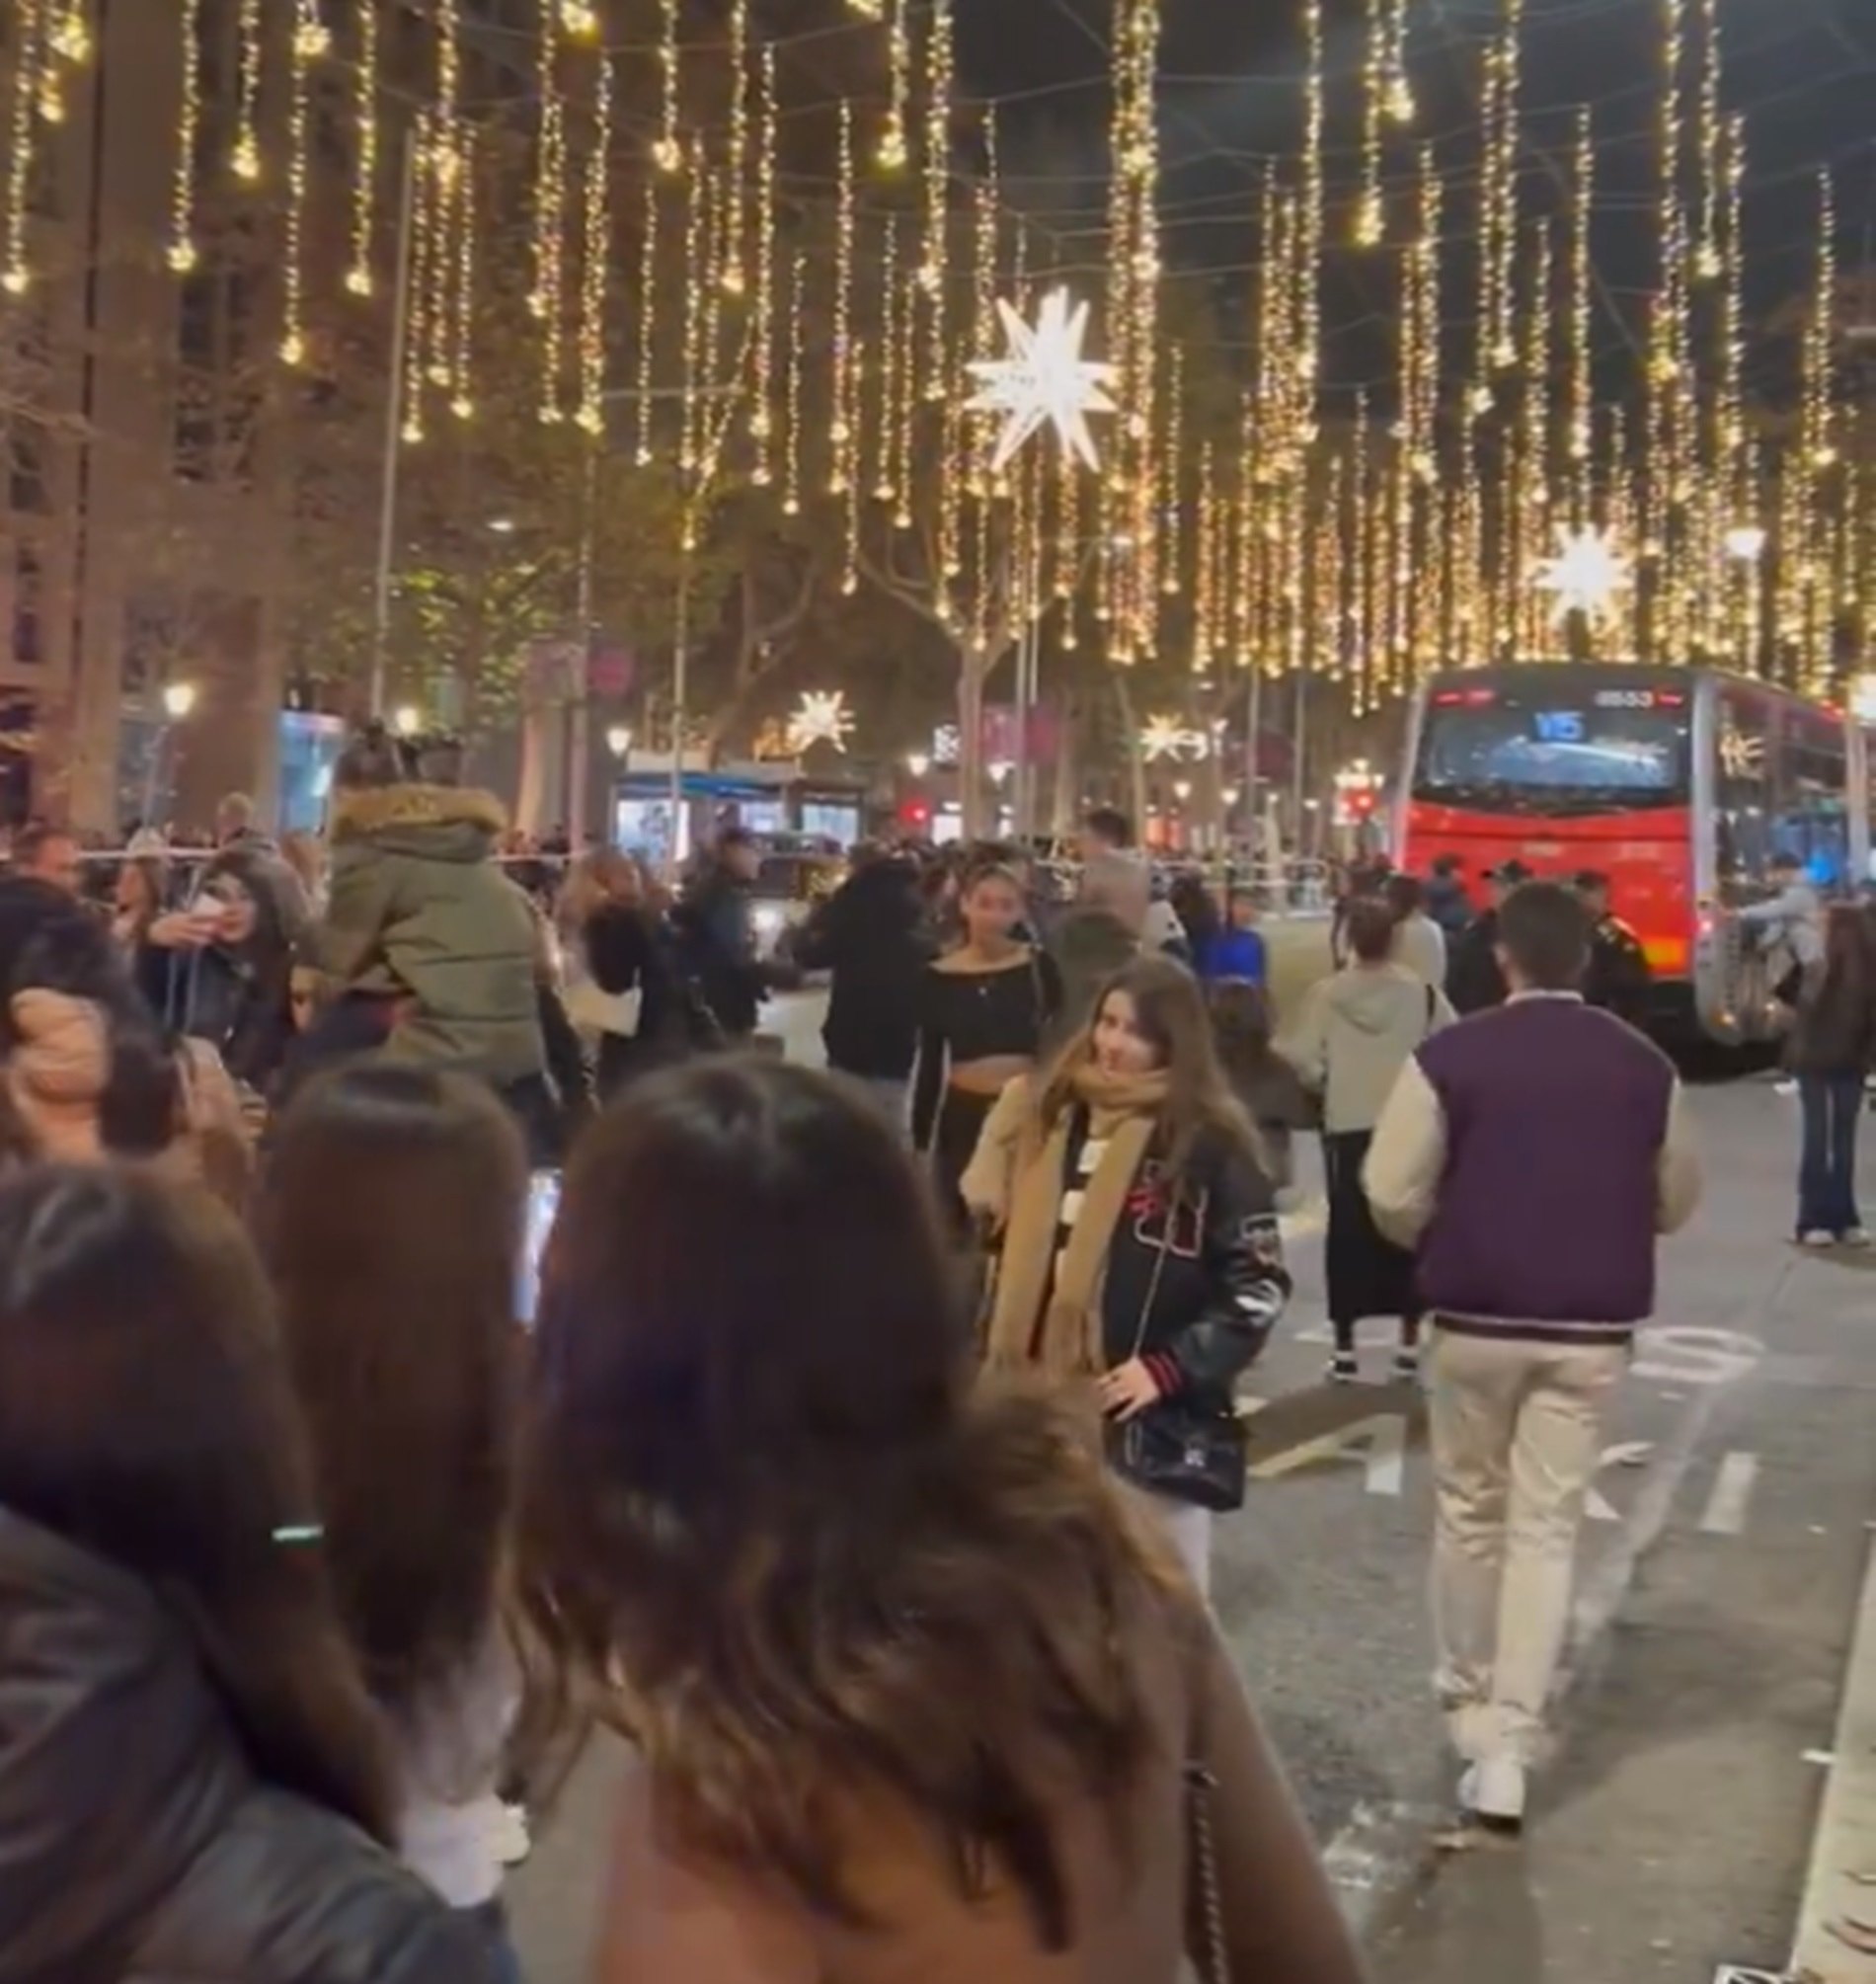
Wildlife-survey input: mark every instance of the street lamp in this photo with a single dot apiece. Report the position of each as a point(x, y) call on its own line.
point(1746, 543)
point(178, 698)
point(619, 741)
point(917, 763)
point(406, 720)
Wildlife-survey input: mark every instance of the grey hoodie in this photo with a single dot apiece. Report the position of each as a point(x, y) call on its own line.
point(1358, 1032)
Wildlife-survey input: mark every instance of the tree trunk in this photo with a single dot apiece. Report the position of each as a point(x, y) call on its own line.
point(1136, 763)
point(974, 668)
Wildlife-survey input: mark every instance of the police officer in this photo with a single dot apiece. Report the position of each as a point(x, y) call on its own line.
point(1618, 978)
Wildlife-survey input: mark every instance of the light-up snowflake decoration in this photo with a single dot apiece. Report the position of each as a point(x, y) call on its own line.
point(821, 717)
point(1587, 575)
point(1044, 381)
point(1172, 738)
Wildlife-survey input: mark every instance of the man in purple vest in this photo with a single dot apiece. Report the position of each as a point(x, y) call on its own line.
point(1532, 1153)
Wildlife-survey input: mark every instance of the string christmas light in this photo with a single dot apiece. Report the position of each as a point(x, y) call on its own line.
point(667, 153)
point(425, 249)
point(305, 46)
point(1505, 191)
point(761, 419)
point(365, 165)
point(1171, 461)
point(646, 315)
point(181, 253)
point(1711, 144)
point(893, 154)
point(1315, 202)
point(16, 278)
point(697, 194)
point(934, 270)
point(462, 397)
point(245, 156)
point(792, 404)
point(1579, 388)
point(733, 276)
point(42, 78)
point(72, 38)
point(546, 299)
point(595, 261)
point(579, 20)
point(843, 472)
point(886, 434)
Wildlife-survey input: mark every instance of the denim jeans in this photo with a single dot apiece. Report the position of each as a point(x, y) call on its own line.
point(1827, 1175)
point(506, 1963)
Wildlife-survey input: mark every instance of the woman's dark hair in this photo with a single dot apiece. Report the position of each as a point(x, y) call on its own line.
point(1195, 908)
point(392, 1219)
point(50, 943)
point(145, 1416)
point(1850, 956)
point(1243, 1027)
point(1405, 896)
point(1369, 927)
point(1169, 1010)
point(760, 1490)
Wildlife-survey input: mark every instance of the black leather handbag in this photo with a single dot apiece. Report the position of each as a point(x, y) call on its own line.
point(1171, 1449)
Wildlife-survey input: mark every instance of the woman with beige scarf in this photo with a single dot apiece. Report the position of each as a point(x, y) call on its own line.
point(1138, 1251)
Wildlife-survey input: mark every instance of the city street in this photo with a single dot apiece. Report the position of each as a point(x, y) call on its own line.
point(1716, 1600)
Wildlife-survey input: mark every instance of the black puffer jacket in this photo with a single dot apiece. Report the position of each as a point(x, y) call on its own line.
point(1196, 1280)
point(137, 1845)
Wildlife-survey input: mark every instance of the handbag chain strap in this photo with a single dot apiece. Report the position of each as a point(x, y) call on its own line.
point(1213, 1959)
point(1160, 1270)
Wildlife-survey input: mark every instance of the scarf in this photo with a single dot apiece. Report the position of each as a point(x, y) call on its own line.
point(1049, 1313)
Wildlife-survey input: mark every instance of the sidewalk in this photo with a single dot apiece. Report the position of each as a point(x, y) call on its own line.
point(1836, 1933)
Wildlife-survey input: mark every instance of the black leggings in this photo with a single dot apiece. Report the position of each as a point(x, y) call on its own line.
point(954, 1143)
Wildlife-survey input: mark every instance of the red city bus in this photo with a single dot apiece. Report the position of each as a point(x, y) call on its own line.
point(1679, 784)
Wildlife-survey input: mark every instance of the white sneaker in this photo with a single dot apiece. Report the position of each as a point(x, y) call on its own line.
point(1784, 1086)
point(1497, 1785)
point(512, 1842)
point(1815, 1236)
point(1855, 1237)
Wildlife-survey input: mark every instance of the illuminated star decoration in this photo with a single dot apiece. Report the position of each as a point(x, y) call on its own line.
point(821, 717)
point(1587, 574)
point(1171, 737)
point(1044, 381)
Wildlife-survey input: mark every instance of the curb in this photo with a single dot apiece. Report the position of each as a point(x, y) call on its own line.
point(1839, 1890)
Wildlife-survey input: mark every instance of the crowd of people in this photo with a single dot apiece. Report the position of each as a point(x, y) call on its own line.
point(889, 1557)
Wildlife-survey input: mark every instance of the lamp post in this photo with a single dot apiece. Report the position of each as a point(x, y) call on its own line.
point(178, 700)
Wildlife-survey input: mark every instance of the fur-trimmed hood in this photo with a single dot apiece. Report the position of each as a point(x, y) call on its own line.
point(440, 822)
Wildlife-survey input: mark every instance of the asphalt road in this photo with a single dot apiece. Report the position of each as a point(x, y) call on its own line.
point(1715, 1598)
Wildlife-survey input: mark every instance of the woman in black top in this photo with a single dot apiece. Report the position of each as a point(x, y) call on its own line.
point(987, 1006)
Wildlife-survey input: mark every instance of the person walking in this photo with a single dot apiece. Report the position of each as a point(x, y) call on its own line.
point(1447, 900)
point(1265, 1083)
point(1099, 936)
point(623, 983)
point(1359, 1030)
point(1618, 978)
point(986, 1008)
point(1831, 1052)
point(870, 936)
point(1792, 914)
point(1532, 1153)
point(1138, 1245)
point(1475, 980)
point(1419, 942)
point(400, 1334)
point(1236, 952)
point(716, 929)
point(914, 1692)
point(193, 1780)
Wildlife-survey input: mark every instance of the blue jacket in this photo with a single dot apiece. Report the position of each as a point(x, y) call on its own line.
point(1233, 954)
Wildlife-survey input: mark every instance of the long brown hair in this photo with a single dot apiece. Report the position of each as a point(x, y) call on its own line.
point(391, 1218)
point(1170, 1011)
point(146, 1416)
point(764, 1516)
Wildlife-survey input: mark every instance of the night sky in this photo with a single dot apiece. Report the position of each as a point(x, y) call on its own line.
point(1804, 71)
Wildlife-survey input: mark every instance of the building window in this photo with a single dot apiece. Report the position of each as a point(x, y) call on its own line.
point(26, 468)
point(28, 625)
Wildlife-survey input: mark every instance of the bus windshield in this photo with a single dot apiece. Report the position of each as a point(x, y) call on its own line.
point(1555, 750)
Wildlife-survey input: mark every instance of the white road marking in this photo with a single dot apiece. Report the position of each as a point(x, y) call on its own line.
point(1681, 1354)
point(1732, 1496)
point(1364, 1859)
point(1379, 1443)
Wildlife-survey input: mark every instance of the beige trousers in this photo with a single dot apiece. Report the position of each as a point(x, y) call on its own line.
point(1517, 1439)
